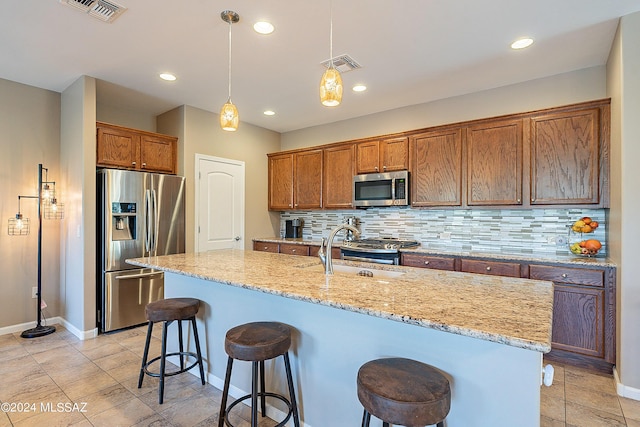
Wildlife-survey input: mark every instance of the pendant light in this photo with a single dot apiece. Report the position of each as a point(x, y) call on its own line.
point(229, 113)
point(331, 82)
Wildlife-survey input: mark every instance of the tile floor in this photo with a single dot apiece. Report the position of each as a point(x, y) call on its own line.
point(59, 369)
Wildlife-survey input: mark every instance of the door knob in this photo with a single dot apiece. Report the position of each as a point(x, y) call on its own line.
point(236, 238)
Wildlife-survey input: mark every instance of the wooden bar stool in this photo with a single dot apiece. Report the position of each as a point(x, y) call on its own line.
point(168, 310)
point(257, 342)
point(403, 392)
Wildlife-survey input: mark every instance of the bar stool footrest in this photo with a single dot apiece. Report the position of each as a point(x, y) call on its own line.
point(170, 374)
point(262, 396)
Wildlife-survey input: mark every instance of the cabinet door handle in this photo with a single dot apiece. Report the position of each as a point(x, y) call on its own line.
point(384, 167)
point(377, 169)
point(133, 163)
point(564, 275)
point(426, 263)
point(144, 165)
point(488, 268)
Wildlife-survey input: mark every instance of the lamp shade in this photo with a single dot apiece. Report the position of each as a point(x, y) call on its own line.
point(229, 117)
point(331, 88)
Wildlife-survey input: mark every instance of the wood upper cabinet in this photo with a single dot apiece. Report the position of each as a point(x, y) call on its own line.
point(281, 182)
point(436, 168)
point(338, 171)
point(295, 180)
point(494, 163)
point(308, 180)
point(565, 157)
point(382, 155)
point(124, 148)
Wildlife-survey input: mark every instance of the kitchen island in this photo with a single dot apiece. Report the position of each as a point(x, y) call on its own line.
point(486, 333)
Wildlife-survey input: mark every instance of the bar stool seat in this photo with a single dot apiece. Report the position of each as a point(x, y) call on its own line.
point(403, 392)
point(256, 342)
point(166, 311)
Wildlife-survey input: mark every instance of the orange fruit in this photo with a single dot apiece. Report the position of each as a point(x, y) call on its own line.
point(586, 229)
point(593, 245)
point(586, 219)
point(594, 224)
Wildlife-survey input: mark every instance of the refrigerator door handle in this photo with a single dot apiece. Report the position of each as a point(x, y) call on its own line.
point(147, 225)
point(138, 276)
point(154, 238)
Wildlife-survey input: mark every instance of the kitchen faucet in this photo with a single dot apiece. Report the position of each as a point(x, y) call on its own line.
point(325, 248)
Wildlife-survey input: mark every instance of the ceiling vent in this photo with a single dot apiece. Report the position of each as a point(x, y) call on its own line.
point(342, 63)
point(106, 11)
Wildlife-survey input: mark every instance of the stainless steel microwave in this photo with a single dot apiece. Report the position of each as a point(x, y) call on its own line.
point(381, 189)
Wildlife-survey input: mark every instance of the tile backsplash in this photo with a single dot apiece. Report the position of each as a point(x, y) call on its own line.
point(511, 231)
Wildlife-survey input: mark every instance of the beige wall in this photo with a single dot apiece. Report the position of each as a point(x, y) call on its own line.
point(77, 162)
point(623, 85)
point(201, 134)
point(568, 88)
point(30, 134)
point(142, 120)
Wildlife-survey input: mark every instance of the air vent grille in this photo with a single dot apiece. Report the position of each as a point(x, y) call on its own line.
point(343, 63)
point(103, 10)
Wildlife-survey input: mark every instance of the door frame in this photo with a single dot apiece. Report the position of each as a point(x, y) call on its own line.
point(196, 175)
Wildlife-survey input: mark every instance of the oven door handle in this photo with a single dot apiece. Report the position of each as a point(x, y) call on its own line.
point(371, 260)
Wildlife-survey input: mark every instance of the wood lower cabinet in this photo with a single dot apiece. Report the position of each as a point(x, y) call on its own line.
point(292, 249)
point(428, 261)
point(266, 247)
point(583, 315)
point(495, 268)
point(338, 171)
point(335, 252)
point(125, 148)
point(494, 163)
point(436, 168)
point(384, 155)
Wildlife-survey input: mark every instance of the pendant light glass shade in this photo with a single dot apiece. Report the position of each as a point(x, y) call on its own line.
point(331, 88)
point(229, 117)
point(331, 82)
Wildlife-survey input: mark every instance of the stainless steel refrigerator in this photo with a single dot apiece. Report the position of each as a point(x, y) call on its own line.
point(139, 214)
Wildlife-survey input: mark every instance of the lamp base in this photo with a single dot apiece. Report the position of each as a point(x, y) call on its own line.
point(38, 331)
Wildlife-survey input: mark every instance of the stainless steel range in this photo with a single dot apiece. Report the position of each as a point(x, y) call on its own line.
point(381, 251)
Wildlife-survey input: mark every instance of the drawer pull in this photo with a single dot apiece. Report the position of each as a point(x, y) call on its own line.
point(564, 275)
point(426, 263)
point(488, 268)
point(293, 250)
point(266, 247)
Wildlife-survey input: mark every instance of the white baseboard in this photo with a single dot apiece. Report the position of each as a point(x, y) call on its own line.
point(83, 335)
point(623, 390)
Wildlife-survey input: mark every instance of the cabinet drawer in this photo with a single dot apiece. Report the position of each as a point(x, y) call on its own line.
point(428, 261)
point(495, 268)
point(579, 276)
point(335, 252)
point(265, 247)
point(294, 249)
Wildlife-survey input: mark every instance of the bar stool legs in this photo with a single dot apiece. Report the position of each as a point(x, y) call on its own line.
point(162, 374)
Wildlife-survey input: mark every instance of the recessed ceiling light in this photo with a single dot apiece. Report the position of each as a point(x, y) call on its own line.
point(522, 43)
point(167, 76)
point(269, 113)
point(359, 88)
point(263, 27)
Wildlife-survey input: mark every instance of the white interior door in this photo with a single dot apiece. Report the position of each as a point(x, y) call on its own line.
point(219, 203)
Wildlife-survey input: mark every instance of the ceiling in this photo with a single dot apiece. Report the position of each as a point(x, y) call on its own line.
point(414, 52)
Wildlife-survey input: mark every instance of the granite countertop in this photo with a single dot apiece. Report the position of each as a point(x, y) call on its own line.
point(515, 312)
point(567, 259)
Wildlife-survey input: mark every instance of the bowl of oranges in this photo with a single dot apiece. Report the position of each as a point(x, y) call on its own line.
point(582, 245)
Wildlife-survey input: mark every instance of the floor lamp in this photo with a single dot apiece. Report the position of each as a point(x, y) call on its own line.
point(19, 226)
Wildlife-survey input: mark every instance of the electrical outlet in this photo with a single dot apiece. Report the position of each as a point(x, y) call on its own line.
point(561, 240)
point(34, 292)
